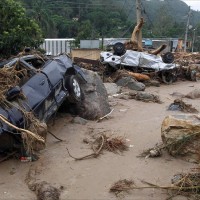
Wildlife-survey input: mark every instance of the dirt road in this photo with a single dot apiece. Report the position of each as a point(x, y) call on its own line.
point(91, 179)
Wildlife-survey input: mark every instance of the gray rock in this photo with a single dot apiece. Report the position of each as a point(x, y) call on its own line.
point(79, 120)
point(131, 84)
point(95, 103)
point(112, 88)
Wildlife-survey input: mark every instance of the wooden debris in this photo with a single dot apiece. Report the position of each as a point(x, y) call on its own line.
point(158, 50)
point(112, 143)
point(27, 136)
point(122, 186)
point(104, 142)
point(105, 116)
point(139, 76)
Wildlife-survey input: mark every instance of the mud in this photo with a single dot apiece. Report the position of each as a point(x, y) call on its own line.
point(92, 178)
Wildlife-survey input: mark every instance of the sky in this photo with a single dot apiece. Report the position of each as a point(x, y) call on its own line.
point(195, 4)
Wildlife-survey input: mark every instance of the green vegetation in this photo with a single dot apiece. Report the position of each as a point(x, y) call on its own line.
point(17, 30)
point(87, 19)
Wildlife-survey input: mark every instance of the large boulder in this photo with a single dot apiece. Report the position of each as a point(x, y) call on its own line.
point(181, 136)
point(95, 103)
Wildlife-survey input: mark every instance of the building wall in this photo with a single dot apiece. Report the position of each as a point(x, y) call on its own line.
point(93, 54)
point(57, 46)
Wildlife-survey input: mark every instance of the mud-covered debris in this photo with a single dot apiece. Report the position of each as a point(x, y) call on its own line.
point(152, 152)
point(112, 143)
point(180, 105)
point(122, 186)
point(189, 183)
point(45, 191)
point(103, 142)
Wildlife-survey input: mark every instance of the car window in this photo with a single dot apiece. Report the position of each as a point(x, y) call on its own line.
point(37, 63)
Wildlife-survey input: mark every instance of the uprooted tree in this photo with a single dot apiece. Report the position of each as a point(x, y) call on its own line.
point(133, 44)
point(17, 30)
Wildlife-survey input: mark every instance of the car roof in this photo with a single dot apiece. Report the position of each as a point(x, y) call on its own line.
point(11, 61)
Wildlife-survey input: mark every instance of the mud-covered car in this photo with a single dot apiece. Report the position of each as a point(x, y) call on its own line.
point(45, 86)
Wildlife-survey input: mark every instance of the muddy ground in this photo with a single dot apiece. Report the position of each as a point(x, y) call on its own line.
point(91, 179)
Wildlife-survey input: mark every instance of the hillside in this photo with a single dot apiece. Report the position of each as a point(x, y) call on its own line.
point(177, 9)
point(90, 19)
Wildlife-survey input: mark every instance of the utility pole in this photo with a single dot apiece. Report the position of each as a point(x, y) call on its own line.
point(139, 15)
point(187, 27)
point(193, 40)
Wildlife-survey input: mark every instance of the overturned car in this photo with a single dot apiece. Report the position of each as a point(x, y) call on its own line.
point(141, 62)
point(42, 86)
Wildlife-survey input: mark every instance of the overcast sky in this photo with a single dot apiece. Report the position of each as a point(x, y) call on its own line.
point(195, 4)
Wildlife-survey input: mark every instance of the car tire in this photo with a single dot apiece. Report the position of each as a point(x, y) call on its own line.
point(168, 76)
point(119, 49)
point(168, 58)
point(74, 89)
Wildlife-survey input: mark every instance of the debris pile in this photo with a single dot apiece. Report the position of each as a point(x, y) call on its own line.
point(9, 77)
point(115, 144)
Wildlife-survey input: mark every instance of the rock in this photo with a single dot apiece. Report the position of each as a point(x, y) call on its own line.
point(112, 88)
point(152, 83)
point(95, 103)
point(146, 97)
point(79, 120)
point(193, 94)
point(181, 136)
point(131, 83)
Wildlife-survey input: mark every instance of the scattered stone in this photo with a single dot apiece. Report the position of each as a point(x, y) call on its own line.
point(131, 83)
point(181, 136)
point(177, 94)
point(79, 120)
point(112, 88)
point(180, 105)
point(152, 83)
point(145, 96)
point(193, 94)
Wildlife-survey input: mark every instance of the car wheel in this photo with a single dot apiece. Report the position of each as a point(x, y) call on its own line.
point(74, 89)
point(168, 76)
point(168, 57)
point(119, 49)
